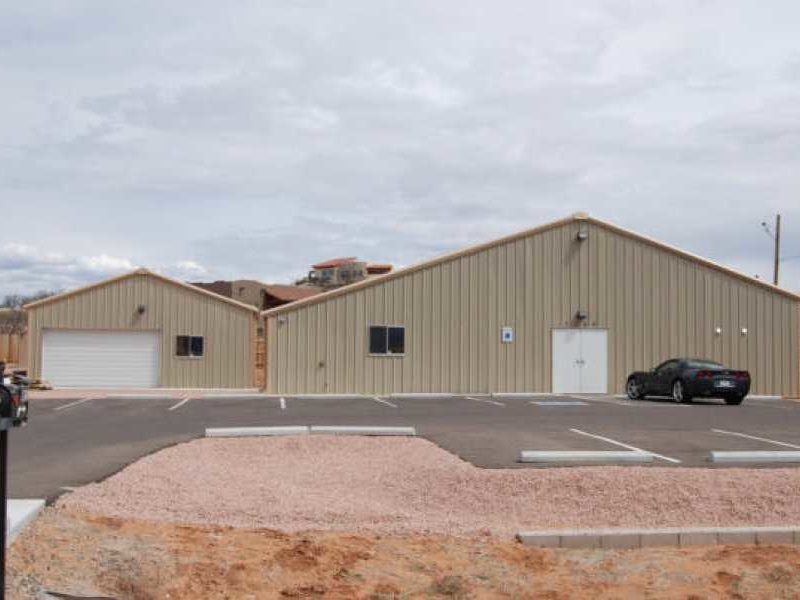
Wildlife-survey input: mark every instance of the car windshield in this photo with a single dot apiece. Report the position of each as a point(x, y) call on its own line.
point(702, 364)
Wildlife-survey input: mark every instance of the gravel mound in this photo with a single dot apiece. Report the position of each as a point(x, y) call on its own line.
point(407, 485)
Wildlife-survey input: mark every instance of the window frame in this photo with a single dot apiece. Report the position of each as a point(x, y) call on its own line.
point(386, 354)
point(189, 339)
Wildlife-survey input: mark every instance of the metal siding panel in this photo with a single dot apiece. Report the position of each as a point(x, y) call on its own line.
point(653, 304)
point(114, 307)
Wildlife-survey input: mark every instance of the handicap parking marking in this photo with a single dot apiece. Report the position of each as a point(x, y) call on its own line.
point(601, 399)
point(756, 438)
point(623, 445)
point(559, 402)
point(485, 400)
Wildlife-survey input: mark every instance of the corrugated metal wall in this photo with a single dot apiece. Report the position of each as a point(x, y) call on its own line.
point(169, 308)
point(654, 303)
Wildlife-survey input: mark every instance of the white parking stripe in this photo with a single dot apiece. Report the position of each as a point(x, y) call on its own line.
point(628, 446)
point(283, 403)
point(755, 437)
point(71, 404)
point(181, 403)
point(495, 402)
point(382, 401)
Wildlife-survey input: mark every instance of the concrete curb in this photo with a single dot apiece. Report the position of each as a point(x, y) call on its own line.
point(767, 456)
point(513, 395)
point(20, 514)
point(216, 395)
point(225, 432)
point(420, 395)
point(140, 397)
point(326, 396)
point(360, 430)
point(584, 456)
point(644, 538)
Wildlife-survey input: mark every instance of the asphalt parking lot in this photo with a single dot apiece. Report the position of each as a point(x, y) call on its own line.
point(71, 442)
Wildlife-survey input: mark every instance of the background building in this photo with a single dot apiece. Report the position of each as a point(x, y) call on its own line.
point(338, 272)
point(143, 330)
point(260, 295)
point(572, 306)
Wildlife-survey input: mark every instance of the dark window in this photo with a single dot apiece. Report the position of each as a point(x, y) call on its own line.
point(387, 340)
point(377, 340)
point(397, 340)
point(189, 345)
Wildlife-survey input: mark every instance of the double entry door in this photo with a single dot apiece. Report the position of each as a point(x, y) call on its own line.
point(580, 361)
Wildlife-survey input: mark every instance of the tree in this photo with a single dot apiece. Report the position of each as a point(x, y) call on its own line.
point(12, 317)
point(17, 301)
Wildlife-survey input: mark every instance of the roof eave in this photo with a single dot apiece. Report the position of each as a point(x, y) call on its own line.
point(135, 272)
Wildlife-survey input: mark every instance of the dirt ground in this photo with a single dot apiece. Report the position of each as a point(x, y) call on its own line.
point(87, 555)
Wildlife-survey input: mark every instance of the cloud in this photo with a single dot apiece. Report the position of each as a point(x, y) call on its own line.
point(252, 141)
point(27, 269)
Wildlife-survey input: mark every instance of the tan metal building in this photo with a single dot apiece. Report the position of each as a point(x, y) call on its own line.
point(142, 330)
point(571, 306)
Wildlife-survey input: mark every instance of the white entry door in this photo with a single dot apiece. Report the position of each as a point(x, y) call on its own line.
point(75, 358)
point(580, 361)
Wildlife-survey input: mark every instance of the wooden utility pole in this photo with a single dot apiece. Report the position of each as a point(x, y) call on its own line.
point(777, 248)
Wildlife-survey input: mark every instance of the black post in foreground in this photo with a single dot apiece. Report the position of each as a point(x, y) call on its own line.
point(3, 495)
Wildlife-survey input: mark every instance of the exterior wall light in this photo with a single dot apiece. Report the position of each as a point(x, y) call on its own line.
point(140, 309)
point(281, 320)
point(744, 331)
point(583, 232)
point(718, 331)
point(581, 315)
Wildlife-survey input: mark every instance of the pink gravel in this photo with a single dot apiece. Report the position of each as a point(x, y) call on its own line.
point(405, 485)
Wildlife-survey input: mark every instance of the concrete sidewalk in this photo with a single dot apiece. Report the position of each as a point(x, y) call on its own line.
point(177, 393)
point(20, 514)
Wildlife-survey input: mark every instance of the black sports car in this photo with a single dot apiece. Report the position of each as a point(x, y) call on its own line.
point(687, 378)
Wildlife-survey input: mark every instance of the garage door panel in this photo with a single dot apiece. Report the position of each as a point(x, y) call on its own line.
point(73, 358)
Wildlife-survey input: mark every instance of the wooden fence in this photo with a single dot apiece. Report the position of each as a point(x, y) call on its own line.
point(14, 349)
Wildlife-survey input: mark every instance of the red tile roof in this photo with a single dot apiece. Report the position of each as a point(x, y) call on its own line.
point(334, 262)
point(381, 267)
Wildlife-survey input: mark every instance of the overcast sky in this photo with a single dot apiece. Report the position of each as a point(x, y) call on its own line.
point(249, 139)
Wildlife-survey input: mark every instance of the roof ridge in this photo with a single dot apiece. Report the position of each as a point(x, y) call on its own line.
point(133, 273)
point(577, 216)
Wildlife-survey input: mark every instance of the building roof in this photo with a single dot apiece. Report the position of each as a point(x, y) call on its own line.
point(379, 267)
point(334, 262)
point(134, 273)
point(577, 217)
point(291, 293)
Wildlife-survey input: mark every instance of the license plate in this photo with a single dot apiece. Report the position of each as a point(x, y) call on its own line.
point(725, 384)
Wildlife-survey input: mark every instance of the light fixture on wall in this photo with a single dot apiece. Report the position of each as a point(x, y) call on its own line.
point(744, 331)
point(583, 232)
point(140, 309)
point(718, 331)
point(581, 315)
point(281, 320)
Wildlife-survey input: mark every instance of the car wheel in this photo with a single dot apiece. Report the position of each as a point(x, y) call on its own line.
point(734, 400)
point(679, 394)
point(633, 389)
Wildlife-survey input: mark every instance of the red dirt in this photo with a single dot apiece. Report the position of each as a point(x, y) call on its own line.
point(88, 555)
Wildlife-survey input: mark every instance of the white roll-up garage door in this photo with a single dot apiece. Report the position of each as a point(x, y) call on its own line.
point(105, 359)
